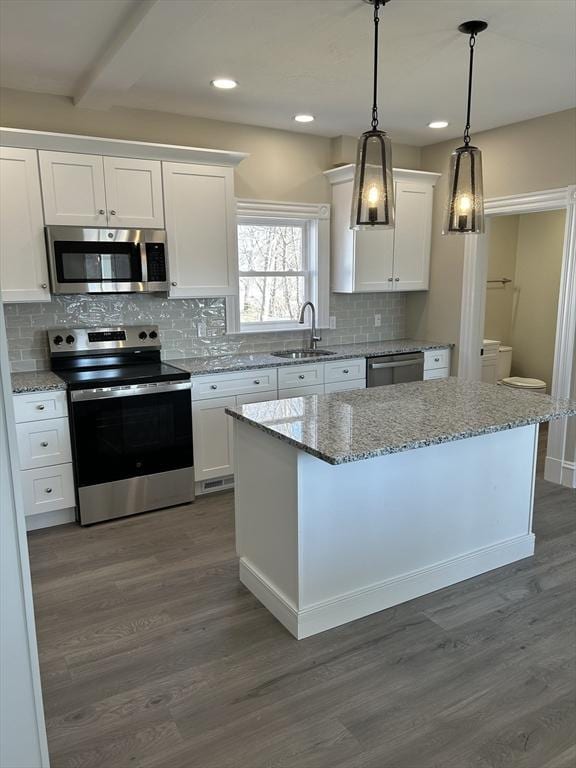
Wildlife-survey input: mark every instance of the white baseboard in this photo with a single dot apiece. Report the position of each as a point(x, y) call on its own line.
point(560, 472)
point(48, 519)
point(377, 597)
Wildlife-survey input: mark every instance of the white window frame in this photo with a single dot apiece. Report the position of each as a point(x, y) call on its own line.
point(316, 252)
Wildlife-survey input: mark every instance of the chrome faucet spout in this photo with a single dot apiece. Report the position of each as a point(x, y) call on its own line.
point(314, 339)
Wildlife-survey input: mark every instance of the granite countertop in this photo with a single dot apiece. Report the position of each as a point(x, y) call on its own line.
point(36, 381)
point(364, 423)
point(246, 361)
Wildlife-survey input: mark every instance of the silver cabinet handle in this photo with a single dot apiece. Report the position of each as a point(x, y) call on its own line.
point(40, 407)
point(44, 444)
point(48, 490)
point(301, 376)
point(390, 279)
point(436, 359)
point(112, 213)
point(345, 370)
point(174, 282)
point(43, 285)
point(213, 386)
point(256, 381)
point(101, 211)
point(397, 279)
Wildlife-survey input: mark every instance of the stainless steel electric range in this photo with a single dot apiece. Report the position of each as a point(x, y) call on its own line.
point(130, 418)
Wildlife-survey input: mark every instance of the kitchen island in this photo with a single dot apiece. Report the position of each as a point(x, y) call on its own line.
point(350, 503)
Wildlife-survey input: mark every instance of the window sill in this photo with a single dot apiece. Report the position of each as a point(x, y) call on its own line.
point(272, 327)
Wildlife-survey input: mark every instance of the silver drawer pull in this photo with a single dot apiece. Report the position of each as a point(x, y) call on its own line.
point(44, 444)
point(256, 381)
point(397, 279)
point(40, 407)
point(101, 211)
point(43, 285)
point(213, 386)
point(48, 490)
point(390, 279)
point(174, 283)
point(112, 213)
point(436, 359)
point(345, 370)
point(301, 376)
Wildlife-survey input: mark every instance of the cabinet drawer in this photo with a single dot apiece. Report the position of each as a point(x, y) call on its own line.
point(344, 370)
point(300, 375)
point(34, 406)
point(342, 386)
point(48, 489)
point(436, 358)
point(43, 443)
point(244, 382)
point(315, 389)
point(437, 373)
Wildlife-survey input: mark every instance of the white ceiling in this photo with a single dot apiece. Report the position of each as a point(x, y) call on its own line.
point(293, 56)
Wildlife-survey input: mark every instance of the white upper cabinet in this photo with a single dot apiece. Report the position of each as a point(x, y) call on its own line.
point(134, 193)
point(73, 189)
point(95, 191)
point(23, 265)
point(396, 259)
point(201, 230)
point(412, 235)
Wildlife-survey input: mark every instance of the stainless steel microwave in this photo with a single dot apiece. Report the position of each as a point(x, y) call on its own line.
point(98, 260)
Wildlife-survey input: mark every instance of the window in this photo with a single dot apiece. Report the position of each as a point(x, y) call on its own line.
point(282, 262)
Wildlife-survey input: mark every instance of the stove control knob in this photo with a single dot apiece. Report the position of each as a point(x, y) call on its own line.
point(142, 335)
point(58, 340)
point(153, 335)
point(70, 339)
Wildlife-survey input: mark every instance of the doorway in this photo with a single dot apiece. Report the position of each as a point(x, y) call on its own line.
point(560, 450)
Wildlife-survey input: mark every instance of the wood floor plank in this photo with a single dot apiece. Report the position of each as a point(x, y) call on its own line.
point(153, 655)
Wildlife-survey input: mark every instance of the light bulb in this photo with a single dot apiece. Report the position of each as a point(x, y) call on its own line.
point(464, 204)
point(373, 195)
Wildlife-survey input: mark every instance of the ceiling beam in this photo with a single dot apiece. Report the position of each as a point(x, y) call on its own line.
point(137, 44)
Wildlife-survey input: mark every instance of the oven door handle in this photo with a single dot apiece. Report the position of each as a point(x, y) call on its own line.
point(130, 390)
point(399, 364)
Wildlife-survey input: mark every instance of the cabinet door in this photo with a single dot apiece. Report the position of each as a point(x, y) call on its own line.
point(23, 265)
point(73, 189)
point(374, 260)
point(201, 230)
point(412, 236)
point(134, 193)
point(212, 432)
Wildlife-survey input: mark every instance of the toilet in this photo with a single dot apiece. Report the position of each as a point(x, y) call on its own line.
point(516, 382)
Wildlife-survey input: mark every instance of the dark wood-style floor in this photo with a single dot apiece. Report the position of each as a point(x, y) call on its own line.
point(154, 656)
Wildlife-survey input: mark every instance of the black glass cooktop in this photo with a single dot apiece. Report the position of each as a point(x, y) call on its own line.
point(123, 374)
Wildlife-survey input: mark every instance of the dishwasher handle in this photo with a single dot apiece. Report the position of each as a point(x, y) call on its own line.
point(398, 364)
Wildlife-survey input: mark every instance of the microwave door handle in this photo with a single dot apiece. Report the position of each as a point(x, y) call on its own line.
point(143, 261)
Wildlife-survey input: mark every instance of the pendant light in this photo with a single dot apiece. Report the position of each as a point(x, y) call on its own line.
point(373, 195)
point(465, 209)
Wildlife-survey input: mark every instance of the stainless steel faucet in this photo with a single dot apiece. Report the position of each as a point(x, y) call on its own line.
point(313, 338)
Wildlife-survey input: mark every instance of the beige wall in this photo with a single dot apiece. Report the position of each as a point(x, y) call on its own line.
point(536, 289)
point(502, 245)
point(283, 165)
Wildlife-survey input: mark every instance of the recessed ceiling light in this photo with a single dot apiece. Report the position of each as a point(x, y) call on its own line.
point(304, 118)
point(438, 124)
point(224, 83)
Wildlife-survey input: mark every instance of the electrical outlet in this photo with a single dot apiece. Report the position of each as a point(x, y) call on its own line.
point(377, 320)
point(332, 322)
point(202, 330)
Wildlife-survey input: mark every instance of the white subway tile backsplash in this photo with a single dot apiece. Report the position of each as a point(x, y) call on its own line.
point(179, 319)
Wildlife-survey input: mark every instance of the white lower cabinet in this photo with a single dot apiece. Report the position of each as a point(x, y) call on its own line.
point(436, 364)
point(212, 434)
point(43, 433)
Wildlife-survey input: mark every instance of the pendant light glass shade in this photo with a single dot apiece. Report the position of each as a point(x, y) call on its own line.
point(373, 193)
point(464, 212)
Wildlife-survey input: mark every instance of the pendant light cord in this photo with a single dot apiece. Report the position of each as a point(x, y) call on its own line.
point(472, 44)
point(375, 91)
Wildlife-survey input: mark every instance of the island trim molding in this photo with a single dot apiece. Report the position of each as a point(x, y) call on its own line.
point(559, 469)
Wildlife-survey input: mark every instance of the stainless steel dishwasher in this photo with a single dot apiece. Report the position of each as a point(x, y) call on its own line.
point(395, 369)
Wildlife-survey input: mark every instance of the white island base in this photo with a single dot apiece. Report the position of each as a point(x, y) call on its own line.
point(321, 545)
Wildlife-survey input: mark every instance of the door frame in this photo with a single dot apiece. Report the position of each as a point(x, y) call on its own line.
point(558, 469)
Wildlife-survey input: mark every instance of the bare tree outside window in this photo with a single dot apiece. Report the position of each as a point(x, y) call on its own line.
point(273, 271)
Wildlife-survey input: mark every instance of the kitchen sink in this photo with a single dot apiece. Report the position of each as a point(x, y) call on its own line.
point(301, 354)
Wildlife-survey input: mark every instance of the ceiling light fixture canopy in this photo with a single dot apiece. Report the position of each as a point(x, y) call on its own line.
point(373, 194)
point(465, 207)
